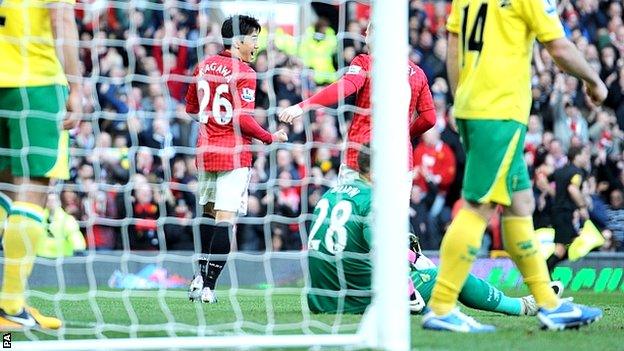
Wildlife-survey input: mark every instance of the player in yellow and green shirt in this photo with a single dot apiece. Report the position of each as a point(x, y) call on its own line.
point(34, 102)
point(489, 67)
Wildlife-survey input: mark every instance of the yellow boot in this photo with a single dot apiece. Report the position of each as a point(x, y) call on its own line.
point(44, 322)
point(27, 318)
point(589, 239)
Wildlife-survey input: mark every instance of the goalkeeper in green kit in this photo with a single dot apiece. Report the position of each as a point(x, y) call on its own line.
point(340, 268)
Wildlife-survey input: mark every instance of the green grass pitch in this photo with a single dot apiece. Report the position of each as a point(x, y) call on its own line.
point(113, 313)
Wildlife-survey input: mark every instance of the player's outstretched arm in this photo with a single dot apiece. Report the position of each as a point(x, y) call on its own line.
point(328, 96)
point(348, 84)
point(66, 38)
point(569, 58)
point(250, 127)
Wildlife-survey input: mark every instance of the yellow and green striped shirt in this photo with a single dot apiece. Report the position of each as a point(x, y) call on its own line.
point(496, 39)
point(28, 56)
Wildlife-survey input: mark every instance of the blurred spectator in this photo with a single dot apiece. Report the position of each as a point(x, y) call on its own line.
point(568, 121)
point(556, 151)
point(250, 235)
point(353, 43)
point(85, 139)
point(287, 86)
point(64, 236)
point(317, 50)
point(143, 234)
point(615, 224)
point(434, 169)
point(434, 162)
point(145, 165)
point(543, 192)
point(136, 136)
point(534, 132)
point(159, 137)
point(434, 64)
point(178, 229)
point(71, 204)
point(420, 220)
point(99, 207)
point(285, 164)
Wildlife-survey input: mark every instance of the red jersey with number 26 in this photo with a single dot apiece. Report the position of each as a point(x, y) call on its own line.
point(223, 95)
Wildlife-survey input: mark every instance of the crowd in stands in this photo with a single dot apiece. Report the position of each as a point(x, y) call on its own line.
point(133, 171)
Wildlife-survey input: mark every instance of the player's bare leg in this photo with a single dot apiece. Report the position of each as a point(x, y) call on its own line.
point(23, 230)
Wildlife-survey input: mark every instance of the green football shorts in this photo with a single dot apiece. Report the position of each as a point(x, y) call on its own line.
point(32, 140)
point(495, 166)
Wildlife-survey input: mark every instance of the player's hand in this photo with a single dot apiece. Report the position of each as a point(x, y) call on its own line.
point(290, 113)
point(596, 92)
point(280, 136)
point(74, 109)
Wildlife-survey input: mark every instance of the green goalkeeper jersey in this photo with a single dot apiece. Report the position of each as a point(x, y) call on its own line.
point(339, 262)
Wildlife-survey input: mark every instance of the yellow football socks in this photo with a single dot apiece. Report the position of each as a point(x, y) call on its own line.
point(23, 230)
point(520, 242)
point(459, 248)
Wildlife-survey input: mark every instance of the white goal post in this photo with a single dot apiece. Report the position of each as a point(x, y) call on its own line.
point(386, 325)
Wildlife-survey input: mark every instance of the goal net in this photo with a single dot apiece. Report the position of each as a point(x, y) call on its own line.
point(133, 184)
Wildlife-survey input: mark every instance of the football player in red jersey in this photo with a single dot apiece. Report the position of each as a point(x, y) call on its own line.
point(357, 79)
point(222, 95)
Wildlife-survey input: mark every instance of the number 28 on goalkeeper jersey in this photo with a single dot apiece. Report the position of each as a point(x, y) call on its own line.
point(496, 40)
point(338, 250)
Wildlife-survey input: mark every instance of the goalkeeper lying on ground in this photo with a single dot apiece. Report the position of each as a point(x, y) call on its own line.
point(340, 269)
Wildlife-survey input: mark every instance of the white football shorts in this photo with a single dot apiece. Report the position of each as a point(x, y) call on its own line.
point(227, 190)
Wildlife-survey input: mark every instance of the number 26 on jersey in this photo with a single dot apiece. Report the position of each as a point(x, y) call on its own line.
point(221, 107)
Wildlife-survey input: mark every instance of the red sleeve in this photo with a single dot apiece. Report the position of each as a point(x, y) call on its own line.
point(425, 101)
point(422, 123)
point(425, 109)
point(192, 105)
point(352, 81)
point(246, 98)
point(246, 92)
point(249, 127)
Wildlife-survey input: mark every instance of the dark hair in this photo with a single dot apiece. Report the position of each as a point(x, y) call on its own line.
point(363, 159)
point(573, 152)
point(246, 26)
